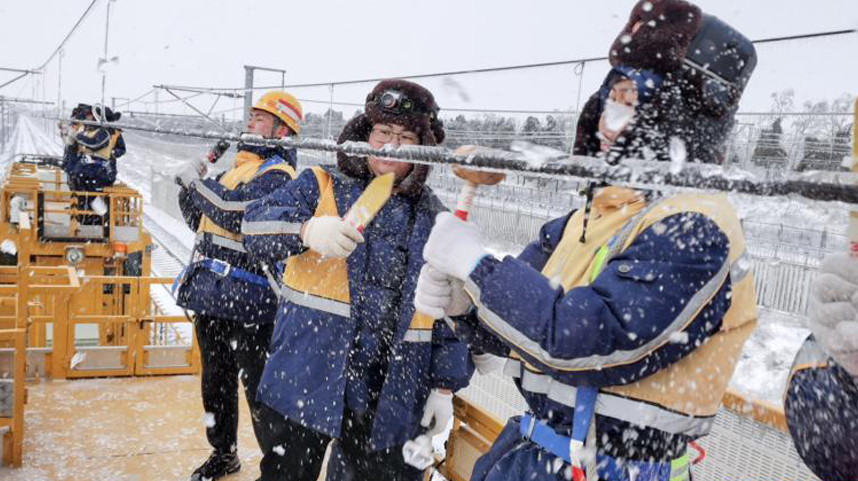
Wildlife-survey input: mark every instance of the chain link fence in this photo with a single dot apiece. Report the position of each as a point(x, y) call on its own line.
point(784, 258)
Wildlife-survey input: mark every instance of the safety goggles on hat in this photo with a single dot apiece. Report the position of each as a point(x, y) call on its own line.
point(721, 53)
point(724, 60)
point(102, 113)
point(396, 102)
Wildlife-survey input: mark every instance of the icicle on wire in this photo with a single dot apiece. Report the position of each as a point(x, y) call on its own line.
point(816, 185)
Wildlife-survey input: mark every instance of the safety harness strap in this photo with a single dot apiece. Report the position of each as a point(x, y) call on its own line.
point(609, 468)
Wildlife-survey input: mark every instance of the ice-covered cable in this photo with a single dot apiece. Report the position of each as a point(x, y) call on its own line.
point(820, 186)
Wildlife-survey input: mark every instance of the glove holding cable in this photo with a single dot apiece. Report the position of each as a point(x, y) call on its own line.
point(454, 246)
point(70, 133)
point(193, 170)
point(439, 295)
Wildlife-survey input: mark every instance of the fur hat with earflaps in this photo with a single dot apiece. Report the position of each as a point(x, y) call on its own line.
point(397, 102)
point(704, 64)
point(675, 37)
point(657, 35)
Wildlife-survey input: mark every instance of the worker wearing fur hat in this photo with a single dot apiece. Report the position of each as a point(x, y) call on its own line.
point(89, 159)
point(690, 69)
point(350, 360)
point(226, 287)
point(622, 335)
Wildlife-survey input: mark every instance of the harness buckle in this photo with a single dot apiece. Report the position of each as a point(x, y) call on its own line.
point(575, 448)
point(220, 267)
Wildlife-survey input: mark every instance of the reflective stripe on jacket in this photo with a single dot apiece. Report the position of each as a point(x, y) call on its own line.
point(319, 283)
point(659, 329)
point(215, 209)
point(326, 319)
point(311, 280)
point(213, 200)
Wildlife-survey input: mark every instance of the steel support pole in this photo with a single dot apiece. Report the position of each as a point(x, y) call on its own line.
point(60, 84)
point(248, 92)
point(105, 60)
point(3, 126)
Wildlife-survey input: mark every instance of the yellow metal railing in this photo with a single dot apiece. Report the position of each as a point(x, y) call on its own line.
point(136, 329)
point(45, 191)
point(13, 441)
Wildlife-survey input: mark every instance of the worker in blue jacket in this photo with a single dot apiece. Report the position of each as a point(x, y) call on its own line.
point(350, 360)
point(821, 402)
point(227, 289)
point(89, 159)
point(623, 322)
point(71, 153)
point(91, 151)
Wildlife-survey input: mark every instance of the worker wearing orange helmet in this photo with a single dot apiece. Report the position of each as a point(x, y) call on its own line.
point(228, 291)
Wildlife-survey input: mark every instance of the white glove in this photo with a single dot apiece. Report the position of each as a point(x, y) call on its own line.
point(487, 363)
point(417, 452)
point(454, 246)
point(98, 206)
point(331, 236)
point(437, 413)
point(834, 309)
point(70, 137)
point(193, 170)
point(438, 295)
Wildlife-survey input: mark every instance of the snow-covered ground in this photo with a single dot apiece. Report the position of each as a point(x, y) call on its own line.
point(792, 211)
point(768, 354)
point(30, 137)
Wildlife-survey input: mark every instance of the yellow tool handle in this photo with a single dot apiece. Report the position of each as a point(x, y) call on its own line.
point(370, 202)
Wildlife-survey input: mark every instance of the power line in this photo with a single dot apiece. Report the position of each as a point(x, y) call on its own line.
point(205, 116)
point(176, 99)
point(514, 111)
point(199, 91)
point(74, 28)
point(797, 114)
point(806, 36)
point(19, 77)
point(417, 76)
point(823, 186)
point(23, 101)
point(497, 69)
point(213, 90)
point(501, 111)
point(539, 112)
point(136, 113)
point(17, 70)
point(444, 110)
point(136, 99)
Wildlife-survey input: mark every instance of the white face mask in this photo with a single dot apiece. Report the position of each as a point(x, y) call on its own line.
point(617, 115)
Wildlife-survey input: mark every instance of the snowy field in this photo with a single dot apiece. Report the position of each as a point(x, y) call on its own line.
point(765, 362)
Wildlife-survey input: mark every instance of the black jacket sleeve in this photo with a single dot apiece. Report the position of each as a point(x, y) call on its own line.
point(190, 212)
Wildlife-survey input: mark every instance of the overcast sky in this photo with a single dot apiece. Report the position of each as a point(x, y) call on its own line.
point(207, 42)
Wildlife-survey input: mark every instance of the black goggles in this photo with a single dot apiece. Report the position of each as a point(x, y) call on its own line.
point(396, 102)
